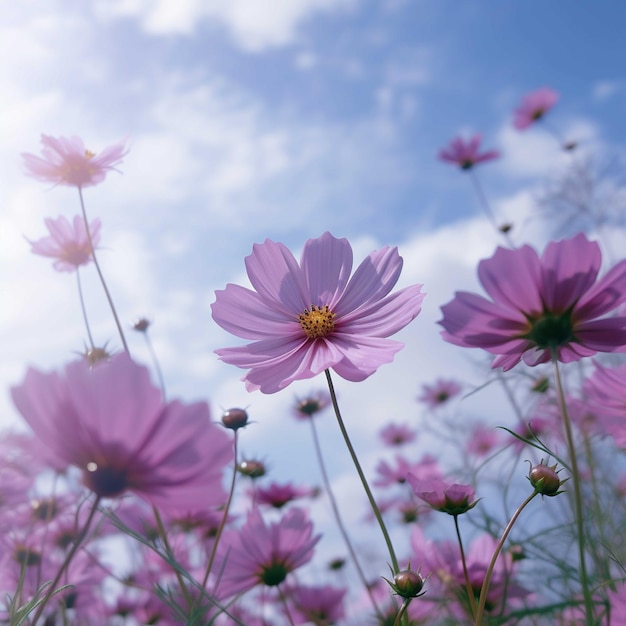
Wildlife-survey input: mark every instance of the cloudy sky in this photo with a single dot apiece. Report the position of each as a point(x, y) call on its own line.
point(283, 119)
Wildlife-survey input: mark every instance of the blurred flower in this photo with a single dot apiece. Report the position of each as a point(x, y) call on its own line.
point(397, 434)
point(277, 496)
point(66, 162)
point(320, 605)
point(389, 475)
point(68, 243)
point(439, 392)
point(111, 423)
point(258, 554)
point(533, 107)
point(541, 305)
point(453, 499)
point(312, 404)
point(482, 440)
point(310, 317)
point(466, 154)
point(606, 394)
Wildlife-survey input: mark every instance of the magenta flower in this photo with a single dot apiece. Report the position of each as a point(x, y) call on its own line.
point(606, 393)
point(450, 498)
point(278, 496)
point(533, 107)
point(258, 554)
point(439, 392)
point(541, 305)
point(67, 243)
point(466, 154)
point(111, 423)
point(306, 318)
point(389, 475)
point(397, 434)
point(317, 605)
point(66, 162)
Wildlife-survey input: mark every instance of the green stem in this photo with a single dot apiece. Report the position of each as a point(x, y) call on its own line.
point(578, 498)
point(484, 203)
point(100, 274)
point(338, 520)
point(357, 465)
point(83, 309)
point(155, 362)
point(402, 611)
point(79, 539)
point(468, 586)
point(482, 600)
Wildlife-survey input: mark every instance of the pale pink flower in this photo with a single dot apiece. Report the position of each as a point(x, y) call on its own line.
point(466, 154)
point(111, 423)
point(541, 306)
point(534, 106)
point(309, 317)
point(451, 498)
point(258, 554)
point(66, 161)
point(397, 434)
point(388, 474)
point(321, 605)
point(68, 243)
point(278, 496)
point(482, 440)
point(439, 392)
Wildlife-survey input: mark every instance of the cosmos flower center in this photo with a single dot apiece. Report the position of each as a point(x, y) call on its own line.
point(105, 481)
point(274, 574)
point(317, 321)
point(551, 331)
point(89, 154)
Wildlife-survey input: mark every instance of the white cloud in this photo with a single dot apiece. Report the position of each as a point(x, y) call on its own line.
point(254, 25)
point(605, 89)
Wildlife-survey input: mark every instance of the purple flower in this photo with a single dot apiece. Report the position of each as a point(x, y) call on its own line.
point(67, 243)
point(466, 154)
point(541, 305)
point(389, 475)
point(111, 423)
point(66, 162)
point(397, 434)
point(439, 392)
point(606, 393)
point(308, 317)
point(450, 498)
point(278, 496)
point(533, 107)
point(317, 605)
point(258, 554)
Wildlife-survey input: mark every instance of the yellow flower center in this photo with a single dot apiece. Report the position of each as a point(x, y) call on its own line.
point(89, 154)
point(318, 321)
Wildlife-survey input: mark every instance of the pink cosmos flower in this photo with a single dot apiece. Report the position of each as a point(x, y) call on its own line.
point(308, 317)
point(311, 404)
point(66, 161)
point(278, 496)
point(397, 434)
point(482, 440)
point(111, 423)
point(466, 154)
point(67, 243)
point(321, 605)
point(541, 305)
point(533, 107)
point(606, 393)
point(389, 475)
point(450, 498)
point(439, 392)
point(258, 554)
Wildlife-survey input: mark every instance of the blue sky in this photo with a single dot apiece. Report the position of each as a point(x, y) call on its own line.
point(283, 119)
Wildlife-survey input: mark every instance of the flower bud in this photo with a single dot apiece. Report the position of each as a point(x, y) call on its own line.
point(407, 583)
point(545, 479)
point(235, 418)
point(141, 325)
point(252, 469)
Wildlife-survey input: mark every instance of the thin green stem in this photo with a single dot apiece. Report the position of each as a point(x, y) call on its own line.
point(224, 519)
point(83, 309)
point(170, 553)
point(468, 586)
point(484, 203)
point(283, 599)
point(155, 362)
point(402, 611)
point(338, 520)
point(357, 465)
point(578, 497)
point(100, 274)
point(482, 600)
point(77, 542)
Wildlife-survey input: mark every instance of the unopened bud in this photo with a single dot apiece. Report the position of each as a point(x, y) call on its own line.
point(408, 583)
point(141, 325)
point(545, 479)
point(235, 418)
point(252, 469)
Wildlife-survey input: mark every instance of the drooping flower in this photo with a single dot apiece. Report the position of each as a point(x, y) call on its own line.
point(439, 392)
point(553, 303)
point(66, 161)
point(111, 423)
point(258, 554)
point(308, 317)
point(68, 243)
point(451, 498)
point(533, 107)
point(466, 153)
